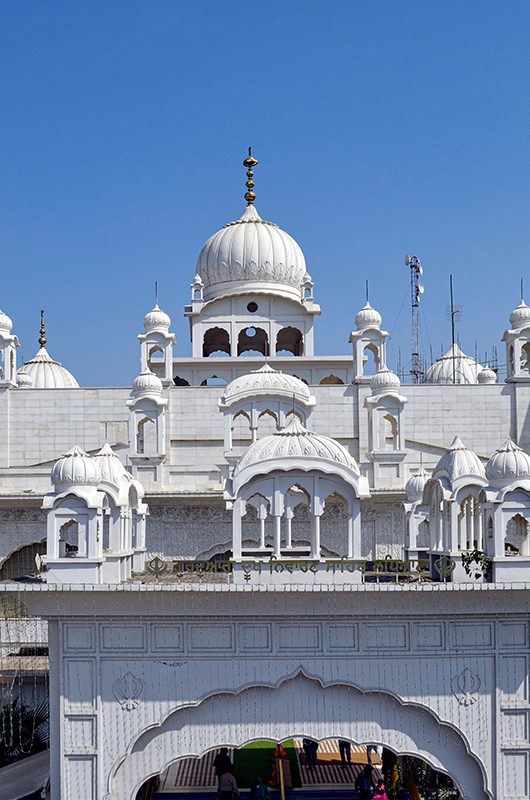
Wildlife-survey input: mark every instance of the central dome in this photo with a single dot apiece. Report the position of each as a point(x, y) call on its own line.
point(251, 255)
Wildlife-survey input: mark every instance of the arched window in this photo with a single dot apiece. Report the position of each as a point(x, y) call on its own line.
point(214, 380)
point(146, 436)
point(69, 539)
point(370, 359)
point(423, 539)
point(331, 380)
point(469, 525)
point(216, 342)
point(180, 381)
point(289, 341)
point(516, 539)
point(155, 356)
point(267, 424)
point(23, 561)
point(525, 357)
point(253, 341)
point(241, 433)
point(390, 429)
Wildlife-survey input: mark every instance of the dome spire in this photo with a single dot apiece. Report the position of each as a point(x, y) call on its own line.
point(249, 163)
point(42, 337)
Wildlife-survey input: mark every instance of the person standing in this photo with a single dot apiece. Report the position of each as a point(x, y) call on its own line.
point(310, 749)
point(364, 783)
point(345, 751)
point(222, 763)
point(228, 787)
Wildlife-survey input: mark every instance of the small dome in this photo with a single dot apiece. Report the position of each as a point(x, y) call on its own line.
point(520, 316)
point(416, 484)
point(156, 319)
point(458, 462)
point(295, 442)
point(24, 381)
point(368, 317)
point(508, 463)
point(385, 381)
point(466, 369)
point(197, 280)
point(75, 468)
point(47, 373)
point(487, 375)
point(146, 383)
point(266, 380)
point(251, 255)
point(6, 323)
point(110, 467)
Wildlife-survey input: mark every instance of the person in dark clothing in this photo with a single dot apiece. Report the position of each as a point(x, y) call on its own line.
point(221, 762)
point(365, 783)
point(345, 752)
point(259, 790)
point(310, 750)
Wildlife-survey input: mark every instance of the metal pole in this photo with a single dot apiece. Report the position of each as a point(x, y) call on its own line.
point(452, 327)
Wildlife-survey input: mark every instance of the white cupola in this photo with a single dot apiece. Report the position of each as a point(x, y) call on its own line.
point(252, 292)
point(369, 344)
point(458, 463)
point(156, 344)
point(454, 367)
point(44, 371)
point(508, 464)
point(8, 352)
point(75, 468)
point(517, 340)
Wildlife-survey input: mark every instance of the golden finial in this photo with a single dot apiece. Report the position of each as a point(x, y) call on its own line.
point(42, 337)
point(249, 163)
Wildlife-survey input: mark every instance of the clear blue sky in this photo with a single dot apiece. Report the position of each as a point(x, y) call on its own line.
point(382, 128)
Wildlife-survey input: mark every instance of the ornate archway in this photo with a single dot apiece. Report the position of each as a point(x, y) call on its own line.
point(298, 706)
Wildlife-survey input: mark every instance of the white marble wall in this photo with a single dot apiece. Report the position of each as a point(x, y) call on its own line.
point(439, 672)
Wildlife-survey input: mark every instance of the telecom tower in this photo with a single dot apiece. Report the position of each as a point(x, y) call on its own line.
point(416, 291)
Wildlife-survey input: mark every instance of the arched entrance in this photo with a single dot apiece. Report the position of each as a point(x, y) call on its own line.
point(300, 706)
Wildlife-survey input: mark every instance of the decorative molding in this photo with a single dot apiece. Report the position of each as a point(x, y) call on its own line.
point(127, 690)
point(465, 687)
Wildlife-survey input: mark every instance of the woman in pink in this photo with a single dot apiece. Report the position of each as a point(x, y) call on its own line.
point(380, 791)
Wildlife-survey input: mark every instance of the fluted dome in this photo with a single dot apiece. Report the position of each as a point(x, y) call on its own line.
point(520, 316)
point(466, 369)
point(110, 467)
point(266, 380)
point(368, 317)
point(251, 254)
point(487, 375)
point(458, 462)
point(385, 380)
point(6, 323)
point(24, 381)
point(292, 443)
point(75, 468)
point(156, 319)
point(146, 383)
point(416, 484)
point(508, 463)
point(47, 373)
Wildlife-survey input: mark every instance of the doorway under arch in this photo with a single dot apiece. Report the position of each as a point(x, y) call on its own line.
point(299, 706)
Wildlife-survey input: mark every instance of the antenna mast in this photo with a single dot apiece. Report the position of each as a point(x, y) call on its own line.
point(416, 291)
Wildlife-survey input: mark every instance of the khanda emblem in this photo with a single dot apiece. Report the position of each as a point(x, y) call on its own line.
point(127, 690)
point(465, 687)
point(156, 566)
